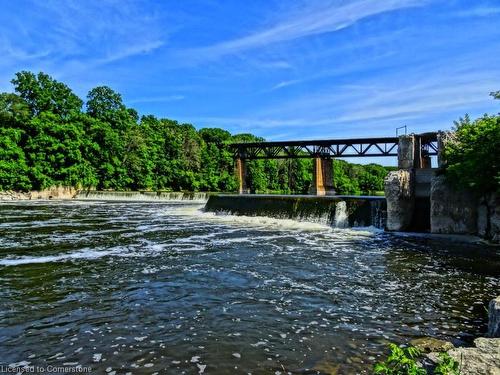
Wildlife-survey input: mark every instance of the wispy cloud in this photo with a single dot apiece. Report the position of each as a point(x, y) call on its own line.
point(373, 107)
point(311, 20)
point(157, 99)
point(285, 84)
point(482, 11)
point(71, 36)
point(130, 51)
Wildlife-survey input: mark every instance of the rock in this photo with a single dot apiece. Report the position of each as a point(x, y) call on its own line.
point(488, 217)
point(482, 220)
point(484, 359)
point(494, 318)
point(55, 192)
point(326, 367)
point(452, 210)
point(430, 344)
point(488, 344)
point(398, 186)
point(13, 196)
point(495, 218)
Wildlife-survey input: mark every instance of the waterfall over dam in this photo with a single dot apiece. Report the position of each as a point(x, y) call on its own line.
point(141, 196)
point(337, 211)
point(340, 211)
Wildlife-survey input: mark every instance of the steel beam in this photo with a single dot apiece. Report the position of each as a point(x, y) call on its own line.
point(335, 148)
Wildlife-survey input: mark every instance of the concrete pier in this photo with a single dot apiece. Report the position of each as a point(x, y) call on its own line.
point(241, 172)
point(408, 189)
point(322, 177)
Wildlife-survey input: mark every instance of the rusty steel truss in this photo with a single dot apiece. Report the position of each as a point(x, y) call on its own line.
point(334, 148)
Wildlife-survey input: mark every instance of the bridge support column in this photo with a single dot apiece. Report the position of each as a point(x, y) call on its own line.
point(241, 173)
point(322, 177)
point(406, 151)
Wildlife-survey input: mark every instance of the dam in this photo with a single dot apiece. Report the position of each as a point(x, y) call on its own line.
point(336, 211)
point(406, 205)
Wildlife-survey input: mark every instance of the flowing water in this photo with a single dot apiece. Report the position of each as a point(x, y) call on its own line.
point(130, 287)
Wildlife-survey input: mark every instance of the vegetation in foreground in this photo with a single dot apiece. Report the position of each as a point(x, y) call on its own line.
point(405, 361)
point(49, 136)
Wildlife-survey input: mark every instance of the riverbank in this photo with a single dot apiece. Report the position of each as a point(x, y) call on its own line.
point(56, 192)
point(68, 193)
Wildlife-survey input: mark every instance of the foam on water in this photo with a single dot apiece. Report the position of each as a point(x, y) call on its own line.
point(263, 222)
point(226, 225)
point(87, 254)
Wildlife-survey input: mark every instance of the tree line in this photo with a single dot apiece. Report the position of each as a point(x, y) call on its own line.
point(49, 136)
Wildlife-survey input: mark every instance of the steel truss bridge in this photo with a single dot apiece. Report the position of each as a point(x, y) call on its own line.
point(333, 148)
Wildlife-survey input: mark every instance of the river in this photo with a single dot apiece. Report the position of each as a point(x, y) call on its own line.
point(145, 287)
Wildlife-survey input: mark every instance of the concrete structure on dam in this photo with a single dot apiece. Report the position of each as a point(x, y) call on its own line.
point(407, 190)
point(417, 197)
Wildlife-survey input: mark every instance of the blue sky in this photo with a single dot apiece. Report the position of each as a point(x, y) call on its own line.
point(279, 69)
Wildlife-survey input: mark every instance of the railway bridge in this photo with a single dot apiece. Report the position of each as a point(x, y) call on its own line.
point(413, 151)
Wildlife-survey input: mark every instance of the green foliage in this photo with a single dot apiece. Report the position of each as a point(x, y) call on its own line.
point(46, 139)
point(56, 152)
point(358, 179)
point(13, 167)
point(471, 154)
point(401, 361)
point(447, 365)
point(44, 94)
point(103, 103)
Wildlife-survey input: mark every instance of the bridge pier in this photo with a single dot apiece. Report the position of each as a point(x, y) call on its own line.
point(322, 176)
point(406, 151)
point(411, 154)
point(241, 173)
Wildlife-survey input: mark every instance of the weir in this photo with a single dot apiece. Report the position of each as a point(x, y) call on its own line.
point(338, 211)
point(141, 196)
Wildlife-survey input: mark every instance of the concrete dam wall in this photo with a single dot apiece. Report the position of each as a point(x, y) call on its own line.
point(338, 211)
point(141, 196)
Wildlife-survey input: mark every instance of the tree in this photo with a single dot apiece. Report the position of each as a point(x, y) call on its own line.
point(471, 154)
point(495, 94)
point(218, 169)
point(103, 102)
point(13, 167)
point(56, 153)
point(14, 111)
point(44, 94)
